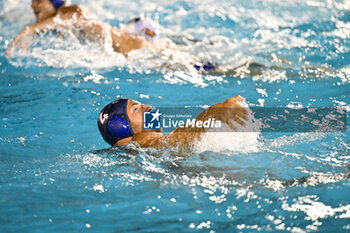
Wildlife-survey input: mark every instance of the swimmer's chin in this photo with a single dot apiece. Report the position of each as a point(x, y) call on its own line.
point(153, 130)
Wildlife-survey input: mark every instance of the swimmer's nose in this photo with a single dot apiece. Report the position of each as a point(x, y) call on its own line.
point(33, 4)
point(146, 108)
point(35, 8)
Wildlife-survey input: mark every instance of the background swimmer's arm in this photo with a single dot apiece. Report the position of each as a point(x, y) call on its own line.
point(68, 17)
point(228, 112)
point(80, 17)
point(124, 42)
point(23, 39)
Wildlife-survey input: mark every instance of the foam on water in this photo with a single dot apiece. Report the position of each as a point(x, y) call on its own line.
point(244, 139)
point(233, 141)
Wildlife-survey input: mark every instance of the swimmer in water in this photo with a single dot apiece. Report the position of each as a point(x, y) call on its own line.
point(138, 33)
point(54, 14)
point(121, 122)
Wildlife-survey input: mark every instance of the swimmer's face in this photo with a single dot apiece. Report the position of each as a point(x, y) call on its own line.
point(43, 9)
point(135, 113)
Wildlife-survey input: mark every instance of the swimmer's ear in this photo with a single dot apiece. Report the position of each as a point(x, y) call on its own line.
point(124, 141)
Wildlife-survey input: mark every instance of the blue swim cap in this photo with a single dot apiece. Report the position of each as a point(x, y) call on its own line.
point(205, 67)
point(113, 122)
point(57, 3)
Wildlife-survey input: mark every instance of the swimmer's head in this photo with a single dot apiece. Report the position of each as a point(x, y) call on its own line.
point(143, 27)
point(44, 9)
point(121, 119)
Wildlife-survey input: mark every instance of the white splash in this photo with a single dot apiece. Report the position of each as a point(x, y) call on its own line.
point(244, 139)
point(99, 188)
point(316, 210)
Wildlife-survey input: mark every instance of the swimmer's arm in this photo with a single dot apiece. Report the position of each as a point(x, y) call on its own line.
point(68, 17)
point(94, 29)
point(228, 112)
point(23, 39)
point(124, 42)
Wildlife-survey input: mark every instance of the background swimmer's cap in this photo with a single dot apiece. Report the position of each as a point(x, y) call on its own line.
point(205, 67)
point(57, 3)
point(143, 27)
point(113, 122)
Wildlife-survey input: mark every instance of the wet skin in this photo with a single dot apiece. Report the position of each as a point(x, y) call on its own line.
point(70, 17)
point(43, 9)
point(228, 112)
point(135, 113)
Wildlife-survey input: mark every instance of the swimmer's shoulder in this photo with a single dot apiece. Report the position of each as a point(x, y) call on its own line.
point(77, 10)
point(149, 139)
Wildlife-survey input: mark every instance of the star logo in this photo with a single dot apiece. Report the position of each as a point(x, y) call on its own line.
point(151, 120)
point(156, 115)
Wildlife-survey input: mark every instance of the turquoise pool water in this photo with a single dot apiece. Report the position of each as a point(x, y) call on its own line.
point(54, 178)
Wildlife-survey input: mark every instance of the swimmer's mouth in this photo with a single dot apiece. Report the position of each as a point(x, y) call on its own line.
point(36, 13)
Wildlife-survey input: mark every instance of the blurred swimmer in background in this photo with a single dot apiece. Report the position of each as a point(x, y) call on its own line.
point(140, 32)
point(54, 14)
point(121, 122)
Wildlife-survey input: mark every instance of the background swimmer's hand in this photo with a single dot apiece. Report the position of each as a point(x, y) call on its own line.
point(22, 41)
point(228, 112)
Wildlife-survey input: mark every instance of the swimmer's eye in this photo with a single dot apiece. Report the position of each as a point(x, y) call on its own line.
point(136, 106)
